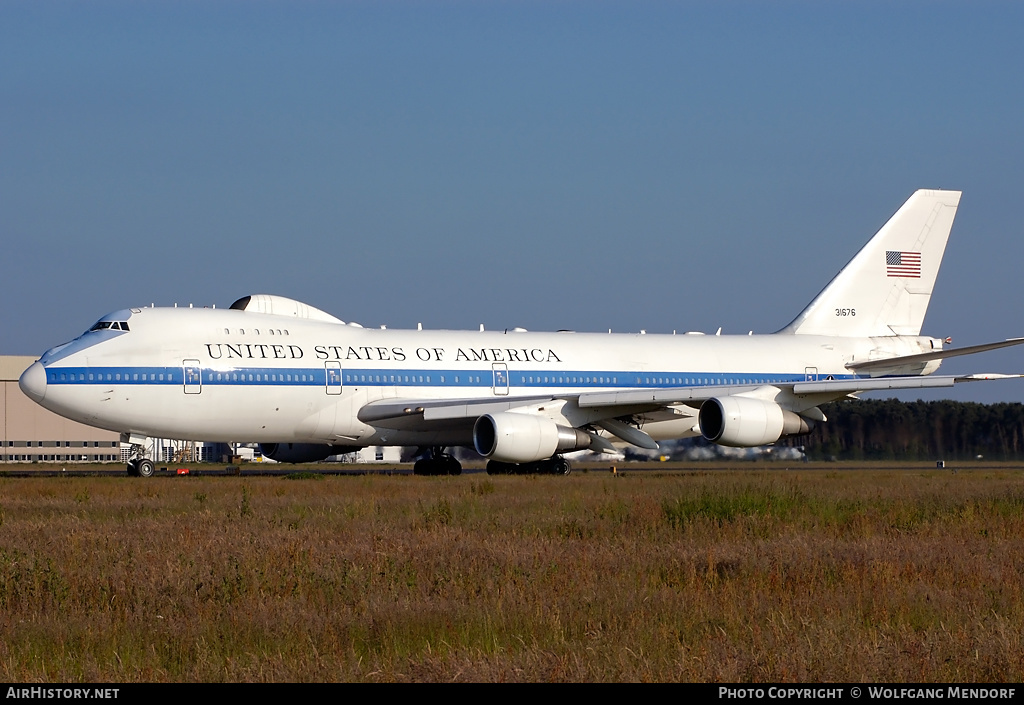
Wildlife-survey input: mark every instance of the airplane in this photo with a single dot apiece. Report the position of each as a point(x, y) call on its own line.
point(306, 385)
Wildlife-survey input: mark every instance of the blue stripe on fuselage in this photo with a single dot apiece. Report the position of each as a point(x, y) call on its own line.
point(306, 377)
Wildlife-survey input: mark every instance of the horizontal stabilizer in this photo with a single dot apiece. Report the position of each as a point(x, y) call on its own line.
point(933, 355)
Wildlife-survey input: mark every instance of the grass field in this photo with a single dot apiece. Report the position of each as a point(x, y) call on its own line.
point(725, 574)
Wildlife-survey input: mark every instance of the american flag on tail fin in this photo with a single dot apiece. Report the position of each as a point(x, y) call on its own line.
point(903, 264)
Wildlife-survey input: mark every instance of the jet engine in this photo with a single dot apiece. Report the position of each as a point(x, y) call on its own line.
point(743, 422)
point(524, 438)
point(302, 452)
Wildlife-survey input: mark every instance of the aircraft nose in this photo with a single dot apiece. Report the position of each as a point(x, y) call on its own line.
point(33, 382)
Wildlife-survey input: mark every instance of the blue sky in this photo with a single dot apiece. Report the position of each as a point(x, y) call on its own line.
point(584, 165)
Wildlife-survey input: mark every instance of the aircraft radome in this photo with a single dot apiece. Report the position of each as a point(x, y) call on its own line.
point(306, 385)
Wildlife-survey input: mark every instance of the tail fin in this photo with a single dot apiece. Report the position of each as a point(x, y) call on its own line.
point(886, 287)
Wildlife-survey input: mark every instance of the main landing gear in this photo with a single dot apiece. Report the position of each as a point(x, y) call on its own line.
point(552, 466)
point(437, 462)
point(140, 465)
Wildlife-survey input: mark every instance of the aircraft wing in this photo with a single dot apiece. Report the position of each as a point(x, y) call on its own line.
point(609, 405)
point(853, 386)
point(434, 410)
point(839, 387)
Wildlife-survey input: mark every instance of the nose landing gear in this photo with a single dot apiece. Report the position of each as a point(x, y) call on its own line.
point(140, 465)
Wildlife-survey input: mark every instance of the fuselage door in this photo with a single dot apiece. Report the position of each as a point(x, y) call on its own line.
point(193, 376)
point(333, 377)
point(499, 371)
point(810, 374)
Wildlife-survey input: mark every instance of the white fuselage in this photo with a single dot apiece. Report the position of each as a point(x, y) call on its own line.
point(227, 375)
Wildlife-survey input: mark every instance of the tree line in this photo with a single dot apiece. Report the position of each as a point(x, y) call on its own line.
point(888, 429)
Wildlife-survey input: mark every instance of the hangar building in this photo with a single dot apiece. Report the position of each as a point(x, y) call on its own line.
point(32, 433)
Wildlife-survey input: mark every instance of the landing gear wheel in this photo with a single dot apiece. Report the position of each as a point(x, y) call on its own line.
point(133, 469)
point(452, 466)
point(145, 468)
point(496, 467)
point(553, 466)
point(437, 464)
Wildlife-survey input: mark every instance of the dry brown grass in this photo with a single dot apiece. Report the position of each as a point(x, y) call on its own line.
point(721, 575)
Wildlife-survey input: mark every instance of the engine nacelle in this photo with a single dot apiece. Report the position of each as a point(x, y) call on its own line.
point(302, 452)
point(524, 438)
point(743, 422)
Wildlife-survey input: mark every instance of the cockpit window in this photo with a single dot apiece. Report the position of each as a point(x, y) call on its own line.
point(110, 325)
